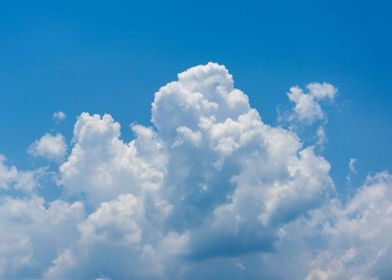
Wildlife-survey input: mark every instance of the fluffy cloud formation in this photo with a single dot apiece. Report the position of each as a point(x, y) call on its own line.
point(12, 178)
point(32, 233)
point(102, 166)
point(306, 104)
point(51, 147)
point(210, 191)
point(359, 245)
point(232, 177)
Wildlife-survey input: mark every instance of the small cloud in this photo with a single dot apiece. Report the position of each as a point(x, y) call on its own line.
point(321, 137)
point(240, 265)
point(59, 116)
point(307, 103)
point(52, 147)
point(324, 91)
point(351, 169)
point(351, 165)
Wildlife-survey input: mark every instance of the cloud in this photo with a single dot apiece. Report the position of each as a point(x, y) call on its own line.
point(352, 170)
point(358, 235)
point(114, 222)
point(242, 178)
point(307, 108)
point(59, 116)
point(51, 147)
point(209, 191)
point(351, 165)
point(32, 233)
point(102, 166)
point(12, 178)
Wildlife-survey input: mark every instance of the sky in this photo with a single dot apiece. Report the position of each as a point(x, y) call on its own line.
point(192, 139)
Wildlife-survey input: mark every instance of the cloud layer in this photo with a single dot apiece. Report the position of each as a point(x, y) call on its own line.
point(209, 191)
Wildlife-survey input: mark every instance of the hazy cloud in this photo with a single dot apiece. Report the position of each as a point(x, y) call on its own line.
point(59, 116)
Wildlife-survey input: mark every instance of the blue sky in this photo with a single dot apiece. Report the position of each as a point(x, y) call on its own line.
point(111, 57)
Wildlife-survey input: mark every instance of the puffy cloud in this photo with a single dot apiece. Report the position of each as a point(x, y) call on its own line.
point(114, 222)
point(358, 239)
point(12, 178)
point(352, 170)
point(102, 166)
point(211, 174)
point(52, 147)
point(306, 104)
point(59, 116)
point(32, 233)
point(210, 191)
point(230, 175)
point(118, 240)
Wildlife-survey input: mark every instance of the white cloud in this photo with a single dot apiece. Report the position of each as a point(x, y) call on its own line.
point(114, 222)
point(306, 104)
point(32, 233)
point(359, 245)
point(212, 171)
point(102, 166)
point(59, 116)
point(52, 147)
point(322, 91)
point(352, 170)
point(322, 137)
point(12, 178)
point(351, 165)
point(210, 191)
point(248, 174)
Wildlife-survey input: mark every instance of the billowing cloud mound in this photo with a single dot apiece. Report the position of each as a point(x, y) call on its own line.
point(231, 178)
point(307, 107)
point(210, 191)
point(358, 235)
point(12, 178)
point(52, 147)
point(102, 166)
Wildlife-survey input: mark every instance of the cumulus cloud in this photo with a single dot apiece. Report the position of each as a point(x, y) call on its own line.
point(12, 178)
point(51, 147)
point(209, 191)
point(32, 233)
point(242, 178)
point(307, 103)
point(358, 239)
point(59, 116)
point(102, 166)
